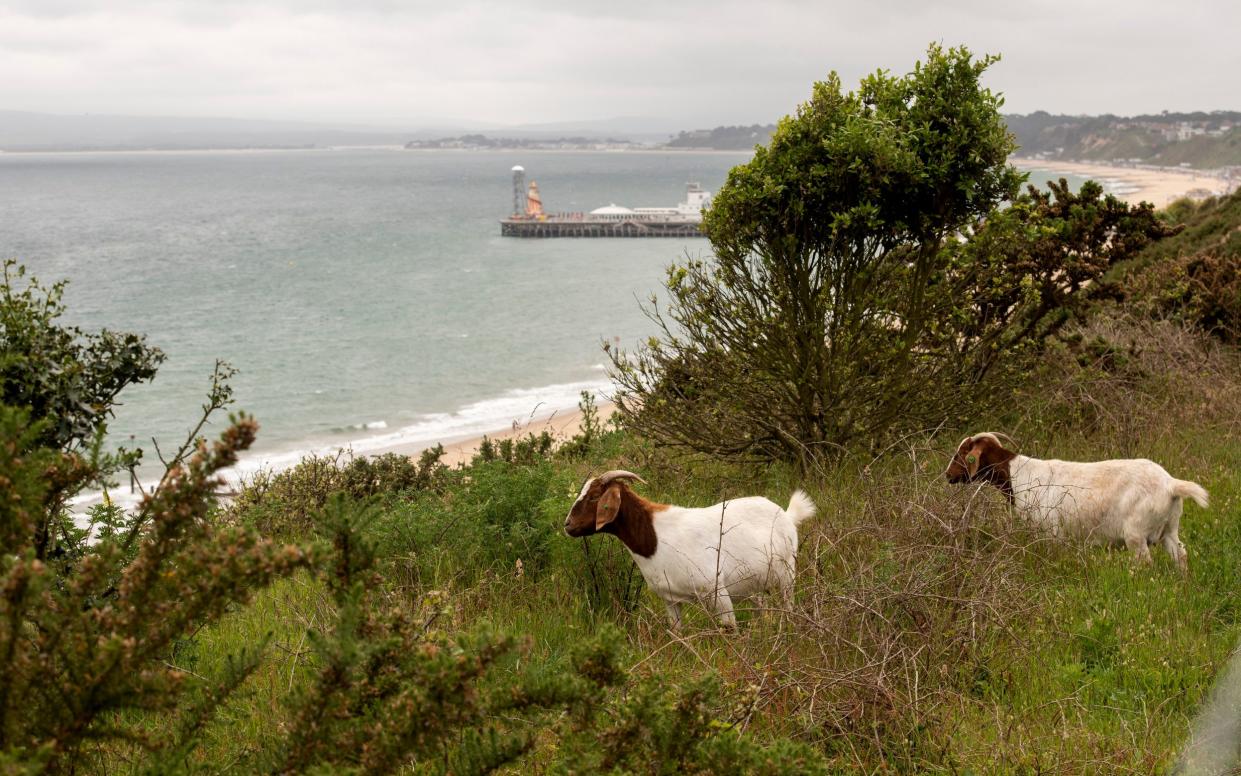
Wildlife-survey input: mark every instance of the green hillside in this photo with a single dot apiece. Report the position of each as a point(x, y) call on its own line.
point(1201, 140)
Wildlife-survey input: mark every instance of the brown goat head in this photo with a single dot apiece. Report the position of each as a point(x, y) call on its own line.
point(981, 458)
point(606, 504)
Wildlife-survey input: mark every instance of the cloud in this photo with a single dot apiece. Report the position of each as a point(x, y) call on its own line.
point(391, 62)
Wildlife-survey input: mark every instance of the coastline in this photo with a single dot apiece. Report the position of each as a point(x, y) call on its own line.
point(1158, 185)
point(561, 424)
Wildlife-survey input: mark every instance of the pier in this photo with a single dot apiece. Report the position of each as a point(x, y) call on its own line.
point(530, 220)
point(584, 226)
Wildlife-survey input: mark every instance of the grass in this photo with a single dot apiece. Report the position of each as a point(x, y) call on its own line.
point(931, 632)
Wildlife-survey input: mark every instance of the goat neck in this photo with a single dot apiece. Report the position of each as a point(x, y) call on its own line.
point(635, 523)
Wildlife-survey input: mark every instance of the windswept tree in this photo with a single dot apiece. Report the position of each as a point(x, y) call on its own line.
point(837, 306)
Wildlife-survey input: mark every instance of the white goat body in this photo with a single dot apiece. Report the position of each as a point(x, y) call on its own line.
point(1134, 502)
point(714, 555)
point(724, 553)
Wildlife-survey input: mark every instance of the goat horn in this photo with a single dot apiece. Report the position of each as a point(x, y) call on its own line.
point(618, 474)
point(1002, 436)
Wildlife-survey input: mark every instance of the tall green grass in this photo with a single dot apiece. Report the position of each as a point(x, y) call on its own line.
point(931, 631)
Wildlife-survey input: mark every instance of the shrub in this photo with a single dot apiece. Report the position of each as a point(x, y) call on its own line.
point(78, 649)
point(389, 690)
point(284, 503)
point(523, 451)
point(1203, 290)
point(652, 728)
point(67, 381)
point(865, 281)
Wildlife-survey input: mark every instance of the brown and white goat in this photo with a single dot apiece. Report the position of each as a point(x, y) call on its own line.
point(714, 555)
point(1134, 502)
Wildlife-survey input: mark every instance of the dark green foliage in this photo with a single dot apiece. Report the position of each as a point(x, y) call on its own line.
point(497, 517)
point(76, 650)
point(66, 377)
point(284, 503)
point(523, 451)
point(1030, 268)
point(866, 281)
point(800, 336)
point(1195, 276)
point(67, 380)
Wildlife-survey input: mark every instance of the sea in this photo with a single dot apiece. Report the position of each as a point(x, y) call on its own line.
point(364, 296)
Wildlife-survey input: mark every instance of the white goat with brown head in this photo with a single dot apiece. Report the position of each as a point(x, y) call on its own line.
point(1134, 502)
point(714, 555)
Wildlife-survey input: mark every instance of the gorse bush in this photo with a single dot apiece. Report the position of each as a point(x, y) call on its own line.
point(78, 650)
point(653, 729)
point(388, 689)
point(1194, 277)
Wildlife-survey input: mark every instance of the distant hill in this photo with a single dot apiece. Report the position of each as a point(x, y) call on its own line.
point(1201, 140)
point(738, 138)
point(25, 131)
point(476, 142)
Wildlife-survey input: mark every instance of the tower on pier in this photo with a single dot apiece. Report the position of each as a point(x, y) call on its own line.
point(519, 190)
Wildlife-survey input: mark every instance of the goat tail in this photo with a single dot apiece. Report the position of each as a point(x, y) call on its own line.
point(800, 508)
point(1187, 489)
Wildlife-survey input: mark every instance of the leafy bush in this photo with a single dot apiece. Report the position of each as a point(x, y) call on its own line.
point(1031, 268)
point(67, 381)
point(284, 503)
point(1203, 290)
point(523, 451)
point(65, 376)
point(865, 280)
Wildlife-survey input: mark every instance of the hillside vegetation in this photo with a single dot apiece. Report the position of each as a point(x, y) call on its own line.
point(738, 138)
point(391, 615)
point(1200, 140)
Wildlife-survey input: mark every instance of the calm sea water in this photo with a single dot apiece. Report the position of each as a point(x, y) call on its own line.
point(365, 295)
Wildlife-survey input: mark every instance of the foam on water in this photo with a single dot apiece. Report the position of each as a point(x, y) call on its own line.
point(523, 407)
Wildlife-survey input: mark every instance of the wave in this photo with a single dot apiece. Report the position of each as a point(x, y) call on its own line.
point(518, 407)
point(374, 425)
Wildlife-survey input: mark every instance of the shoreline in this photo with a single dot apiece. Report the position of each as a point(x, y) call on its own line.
point(1158, 185)
point(561, 424)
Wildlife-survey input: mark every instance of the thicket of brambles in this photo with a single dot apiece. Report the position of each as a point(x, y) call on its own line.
point(878, 284)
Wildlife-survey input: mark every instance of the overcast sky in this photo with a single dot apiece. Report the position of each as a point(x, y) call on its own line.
point(693, 63)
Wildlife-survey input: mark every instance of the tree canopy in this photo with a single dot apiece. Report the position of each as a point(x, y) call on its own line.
point(839, 302)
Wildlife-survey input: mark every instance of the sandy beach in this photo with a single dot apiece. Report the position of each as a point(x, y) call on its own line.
point(1158, 185)
point(561, 424)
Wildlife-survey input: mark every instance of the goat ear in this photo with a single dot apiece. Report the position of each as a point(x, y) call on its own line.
point(994, 455)
point(973, 459)
point(609, 506)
